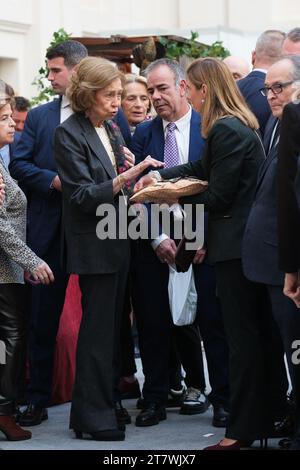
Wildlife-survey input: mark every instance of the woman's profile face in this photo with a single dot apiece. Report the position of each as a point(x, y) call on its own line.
point(107, 101)
point(136, 102)
point(7, 126)
point(194, 95)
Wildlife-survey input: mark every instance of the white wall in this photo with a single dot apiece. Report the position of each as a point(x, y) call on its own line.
point(26, 26)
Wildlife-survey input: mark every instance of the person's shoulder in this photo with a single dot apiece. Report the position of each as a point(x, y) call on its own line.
point(44, 108)
point(146, 126)
point(292, 109)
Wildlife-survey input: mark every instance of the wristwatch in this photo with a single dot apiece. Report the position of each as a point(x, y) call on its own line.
point(155, 174)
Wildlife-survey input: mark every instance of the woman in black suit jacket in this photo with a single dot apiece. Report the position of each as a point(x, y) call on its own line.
point(289, 200)
point(96, 174)
point(231, 162)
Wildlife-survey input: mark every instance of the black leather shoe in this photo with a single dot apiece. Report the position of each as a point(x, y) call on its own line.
point(152, 414)
point(107, 435)
point(283, 428)
point(220, 417)
point(122, 414)
point(33, 415)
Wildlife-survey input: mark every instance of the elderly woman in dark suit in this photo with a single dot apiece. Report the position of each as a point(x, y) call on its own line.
point(15, 257)
point(96, 173)
point(231, 162)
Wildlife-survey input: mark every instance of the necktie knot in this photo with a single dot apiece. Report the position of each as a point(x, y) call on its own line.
point(171, 127)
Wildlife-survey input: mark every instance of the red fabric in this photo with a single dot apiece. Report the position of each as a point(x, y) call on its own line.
point(66, 342)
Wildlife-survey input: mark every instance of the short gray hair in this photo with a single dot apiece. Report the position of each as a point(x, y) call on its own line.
point(294, 35)
point(269, 45)
point(295, 60)
point(175, 67)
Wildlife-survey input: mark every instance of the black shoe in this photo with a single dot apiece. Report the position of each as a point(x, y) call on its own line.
point(33, 415)
point(152, 414)
point(283, 428)
point(122, 414)
point(107, 435)
point(175, 399)
point(220, 417)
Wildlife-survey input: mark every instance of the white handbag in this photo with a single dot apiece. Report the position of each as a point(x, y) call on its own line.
point(182, 296)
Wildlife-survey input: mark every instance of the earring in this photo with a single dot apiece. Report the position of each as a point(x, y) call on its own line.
point(202, 101)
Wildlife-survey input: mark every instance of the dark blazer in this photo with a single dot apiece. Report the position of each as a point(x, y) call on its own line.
point(260, 244)
point(250, 87)
point(230, 164)
point(149, 139)
point(33, 166)
point(86, 174)
point(289, 189)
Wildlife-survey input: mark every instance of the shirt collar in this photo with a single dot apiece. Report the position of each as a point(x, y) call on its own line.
point(182, 122)
point(65, 103)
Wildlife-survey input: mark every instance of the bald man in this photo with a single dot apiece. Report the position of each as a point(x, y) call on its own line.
point(238, 66)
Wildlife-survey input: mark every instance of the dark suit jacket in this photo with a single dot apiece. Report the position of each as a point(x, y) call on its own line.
point(149, 139)
point(250, 87)
point(260, 244)
point(34, 167)
point(289, 190)
point(230, 164)
point(86, 174)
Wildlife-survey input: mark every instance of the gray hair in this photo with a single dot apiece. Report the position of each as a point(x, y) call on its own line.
point(175, 67)
point(71, 51)
point(294, 35)
point(269, 44)
point(295, 60)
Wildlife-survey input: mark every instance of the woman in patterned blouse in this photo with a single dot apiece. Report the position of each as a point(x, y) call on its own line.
point(15, 258)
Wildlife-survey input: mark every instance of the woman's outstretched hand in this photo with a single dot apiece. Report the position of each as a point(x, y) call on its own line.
point(145, 181)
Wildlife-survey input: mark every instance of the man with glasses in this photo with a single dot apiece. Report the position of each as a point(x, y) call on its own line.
point(260, 247)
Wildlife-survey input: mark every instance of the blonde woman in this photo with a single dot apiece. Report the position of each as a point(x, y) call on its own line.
point(135, 100)
point(231, 162)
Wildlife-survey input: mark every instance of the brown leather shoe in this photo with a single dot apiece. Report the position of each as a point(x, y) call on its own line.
point(12, 430)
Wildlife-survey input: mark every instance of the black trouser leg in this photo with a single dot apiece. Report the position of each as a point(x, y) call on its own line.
point(13, 332)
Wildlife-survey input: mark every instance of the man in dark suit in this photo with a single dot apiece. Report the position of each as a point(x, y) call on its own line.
point(34, 167)
point(260, 245)
point(267, 51)
point(167, 88)
point(288, 200)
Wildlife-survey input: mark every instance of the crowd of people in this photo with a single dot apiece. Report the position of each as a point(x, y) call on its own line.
point(104, 138)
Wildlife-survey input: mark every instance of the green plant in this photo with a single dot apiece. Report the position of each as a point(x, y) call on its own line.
point(193, 48)
point(40, 81)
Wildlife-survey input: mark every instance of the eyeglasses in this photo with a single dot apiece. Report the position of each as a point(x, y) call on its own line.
point(276, 89)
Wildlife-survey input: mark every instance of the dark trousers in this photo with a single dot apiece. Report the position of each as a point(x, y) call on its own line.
point(287, 317)
point(13, 335)
point(98, 349)
point(210, 321)
point(248, 325)
point(157, 331)
point(45, 310)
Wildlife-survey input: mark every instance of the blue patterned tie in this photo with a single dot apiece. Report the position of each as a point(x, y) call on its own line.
point(171, 153)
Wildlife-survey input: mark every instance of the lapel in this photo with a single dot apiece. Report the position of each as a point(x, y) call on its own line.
point(53, 118)
point(268, 132)
point(158, 139)
point(95, 144)
point(195, 137)
point(263, 169)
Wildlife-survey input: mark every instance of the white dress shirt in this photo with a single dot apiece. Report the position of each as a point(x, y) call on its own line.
point(182, 134)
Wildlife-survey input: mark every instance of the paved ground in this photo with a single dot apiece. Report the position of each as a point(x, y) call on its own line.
point(178, 432)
